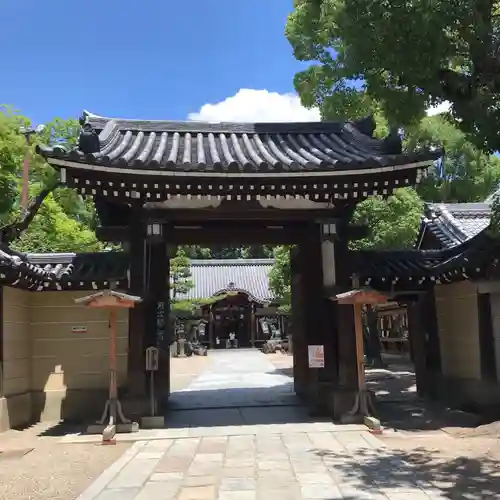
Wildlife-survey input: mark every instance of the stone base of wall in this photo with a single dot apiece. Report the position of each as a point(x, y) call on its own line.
point(78, 405)
point(15, 411)
point(469, 394)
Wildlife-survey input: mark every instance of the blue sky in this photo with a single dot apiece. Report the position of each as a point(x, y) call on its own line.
point(151, 59)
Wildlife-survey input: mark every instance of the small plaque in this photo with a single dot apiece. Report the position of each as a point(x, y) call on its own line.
point(316, 354)
point(79, 329)
point(152, 359)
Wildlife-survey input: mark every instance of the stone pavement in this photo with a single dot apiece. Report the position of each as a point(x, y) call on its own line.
point(296, 465)
point(237, 433)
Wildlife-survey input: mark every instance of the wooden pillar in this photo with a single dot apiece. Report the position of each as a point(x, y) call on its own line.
point(433, 347)
point(300, 362)
point(347, 370)
point(1, 344)
point(424, 342)
point(211, 339)
point(317, 327)
point(416, 331)
point(136, 376)
point(157, 310)
point(252, 324)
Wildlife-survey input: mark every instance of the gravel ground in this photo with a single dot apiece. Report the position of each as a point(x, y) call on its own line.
point(34, 465)
point(51, 470)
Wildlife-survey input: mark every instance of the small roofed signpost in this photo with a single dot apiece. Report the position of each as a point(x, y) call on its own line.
point(363, 409)
point(112, 301)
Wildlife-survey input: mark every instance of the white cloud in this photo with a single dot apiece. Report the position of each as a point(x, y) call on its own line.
point(250, 105)
point(444, 107)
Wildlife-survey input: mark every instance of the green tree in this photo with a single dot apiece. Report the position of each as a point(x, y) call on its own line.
point(464, 174)
point(280, 276)
point(393, 223)
point(406, 56)
point(180, 275)
point(13, 149)
point(52, 230)
point(65, 204)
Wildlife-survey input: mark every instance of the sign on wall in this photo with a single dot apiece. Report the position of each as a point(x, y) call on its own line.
point(316, 355)
point(79, 329)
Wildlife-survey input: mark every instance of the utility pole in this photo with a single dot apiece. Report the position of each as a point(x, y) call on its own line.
point(27, 132)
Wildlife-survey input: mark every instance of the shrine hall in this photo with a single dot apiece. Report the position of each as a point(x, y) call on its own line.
point(160, 184)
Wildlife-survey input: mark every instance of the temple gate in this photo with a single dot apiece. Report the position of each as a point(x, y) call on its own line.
point(159, 184)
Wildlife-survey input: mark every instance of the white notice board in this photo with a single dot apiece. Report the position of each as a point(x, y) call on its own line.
point(316, 354)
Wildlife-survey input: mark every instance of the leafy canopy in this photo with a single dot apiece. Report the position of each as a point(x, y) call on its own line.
point(406, 56)
point(65, 221)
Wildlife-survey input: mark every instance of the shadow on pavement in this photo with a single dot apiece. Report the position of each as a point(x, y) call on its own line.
point(237, 406)
point(456, 478)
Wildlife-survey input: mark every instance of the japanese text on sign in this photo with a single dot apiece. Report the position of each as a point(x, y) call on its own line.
point(160, 321)
point(316, 354)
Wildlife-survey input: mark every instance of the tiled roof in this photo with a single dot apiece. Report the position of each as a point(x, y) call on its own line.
point(476, 257)
point(86, 267)
point(212, 276)
point(54, 271)
point(455, 223)
point(234, 147)
point(13, 268)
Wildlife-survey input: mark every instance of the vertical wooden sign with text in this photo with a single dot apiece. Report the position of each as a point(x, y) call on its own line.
point(160, 323)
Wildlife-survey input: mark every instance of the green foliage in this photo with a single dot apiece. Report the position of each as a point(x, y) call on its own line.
point(466, 173)
point(180, 274)
point(494, 227)
point(13, 149)
point(52, 230)
point(65, 220)
point(393, 223)
point(404, 55)
point(280, 275)
point(189, 307)
point(228, 252)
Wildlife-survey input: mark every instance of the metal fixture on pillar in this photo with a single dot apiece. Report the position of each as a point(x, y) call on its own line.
point(328, 230)
point(154, 231)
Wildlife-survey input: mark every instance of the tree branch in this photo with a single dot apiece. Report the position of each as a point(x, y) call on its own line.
point(13, 231)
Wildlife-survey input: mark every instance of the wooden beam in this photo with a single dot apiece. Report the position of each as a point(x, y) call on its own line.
point(217, 233)
point(238, 213)
point(353, 233)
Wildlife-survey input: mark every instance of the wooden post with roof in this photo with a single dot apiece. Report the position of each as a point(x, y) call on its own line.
point(111, 301)
point(363, 407)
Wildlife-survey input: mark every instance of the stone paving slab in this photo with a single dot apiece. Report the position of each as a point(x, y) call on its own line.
point(297, 466)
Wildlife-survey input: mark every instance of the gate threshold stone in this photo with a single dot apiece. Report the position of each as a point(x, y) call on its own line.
point(245, 430)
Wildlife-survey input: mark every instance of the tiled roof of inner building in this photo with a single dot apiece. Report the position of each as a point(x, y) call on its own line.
point(212, 276)
point(455, 223)
point(168, 146)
